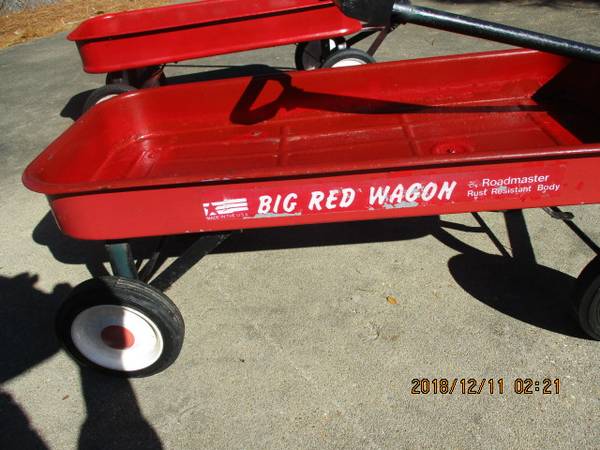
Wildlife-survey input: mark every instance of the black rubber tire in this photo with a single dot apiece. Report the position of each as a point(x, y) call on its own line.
point(144, 75)
point(136, 77)
point(117, 77)
point(348, 54)
point(106, 91)
point(135, 295)
point(301, 49)
point(587, 299)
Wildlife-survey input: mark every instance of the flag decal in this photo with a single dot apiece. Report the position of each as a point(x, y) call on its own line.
point(225, 207)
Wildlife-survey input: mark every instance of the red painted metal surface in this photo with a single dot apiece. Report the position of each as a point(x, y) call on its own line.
point(155, 36)
point(499, 130)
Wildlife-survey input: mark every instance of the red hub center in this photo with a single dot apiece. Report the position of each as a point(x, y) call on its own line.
point(117, 337)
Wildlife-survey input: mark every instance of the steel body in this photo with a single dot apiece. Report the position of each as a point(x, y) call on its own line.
point(156, 36)
point(488, 131)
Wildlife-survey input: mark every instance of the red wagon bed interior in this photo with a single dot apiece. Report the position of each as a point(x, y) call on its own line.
point(448, 110)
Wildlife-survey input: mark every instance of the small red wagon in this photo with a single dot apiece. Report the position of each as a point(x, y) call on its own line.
point(132, 47)
point(488, 131)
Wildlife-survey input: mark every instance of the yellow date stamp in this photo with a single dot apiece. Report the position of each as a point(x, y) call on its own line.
point(488, 386)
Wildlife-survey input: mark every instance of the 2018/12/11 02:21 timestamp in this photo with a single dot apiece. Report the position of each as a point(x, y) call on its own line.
point(491, 386)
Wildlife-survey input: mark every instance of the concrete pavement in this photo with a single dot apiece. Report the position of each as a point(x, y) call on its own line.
point(290, 342)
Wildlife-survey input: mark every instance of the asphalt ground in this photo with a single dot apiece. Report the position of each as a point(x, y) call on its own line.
point(290, 339)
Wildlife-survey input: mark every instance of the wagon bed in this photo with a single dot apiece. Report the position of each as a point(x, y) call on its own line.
point(156, 36)
point(169, 161)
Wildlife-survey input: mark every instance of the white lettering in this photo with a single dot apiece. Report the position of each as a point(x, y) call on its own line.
point(265, 204)
point(446, 190)
point(429, 191)
point(487, 182)
point(331, 198)
point(277, 203)
point(378, 196)
point(548, 187)
point(289, 203)
point(348, 196)
point(396, 196)
point(316, 198)
point(413, 192)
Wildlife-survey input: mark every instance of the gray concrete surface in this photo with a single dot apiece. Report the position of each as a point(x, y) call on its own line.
point(18, 5)
point(290, 342)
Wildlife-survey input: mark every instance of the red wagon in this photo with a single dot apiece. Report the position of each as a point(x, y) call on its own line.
point(488, 131)
point(132, 47)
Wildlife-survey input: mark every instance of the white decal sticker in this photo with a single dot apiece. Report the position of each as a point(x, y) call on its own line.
point(390, 192)
point(225, 207)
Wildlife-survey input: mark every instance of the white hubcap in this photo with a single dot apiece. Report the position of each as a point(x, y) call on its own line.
point(108, 97)
point(117, 337)
point(350, 62)
point(313, 52)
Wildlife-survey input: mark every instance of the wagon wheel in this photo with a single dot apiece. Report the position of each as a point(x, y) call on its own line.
point(150, 77)
point(587, 299)
point(347, 58)
point(146, 77)
point(105, 93)
point(120, 326)
point(311, 55)
point(121, 77)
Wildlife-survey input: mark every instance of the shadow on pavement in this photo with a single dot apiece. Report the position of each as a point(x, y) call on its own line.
point(114, 420)
point(26, 327)
point(27, 339)
point(518, 286)
point(534, 294)
point(15, 427)
point(74, 107)
point(70, 251)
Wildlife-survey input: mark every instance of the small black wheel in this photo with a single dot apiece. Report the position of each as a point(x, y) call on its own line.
point(587, 299)
point(120, 326)
point(106, 93)
point(150, 77)
point(347, 58)
point(121, 77)
point(145, 77)
point(310, 55)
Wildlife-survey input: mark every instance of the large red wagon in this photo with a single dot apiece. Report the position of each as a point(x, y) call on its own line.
point(488, 131)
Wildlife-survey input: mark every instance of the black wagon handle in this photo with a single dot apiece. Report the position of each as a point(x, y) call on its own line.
point(382, 12)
